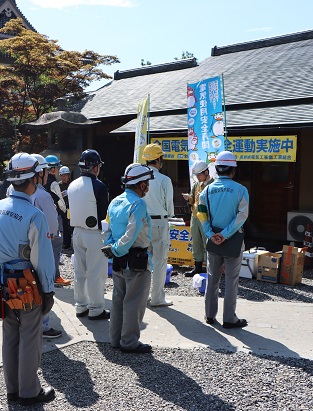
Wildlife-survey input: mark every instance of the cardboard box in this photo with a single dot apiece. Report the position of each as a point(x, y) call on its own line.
point(249, 264)
point(292, 265)
point(268, 267)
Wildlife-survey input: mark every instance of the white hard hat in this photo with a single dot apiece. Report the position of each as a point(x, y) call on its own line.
point(226, 158)
point(64, 170)
point(136, 172)
point(21, 167)
point(199, 167)
point(41, 160)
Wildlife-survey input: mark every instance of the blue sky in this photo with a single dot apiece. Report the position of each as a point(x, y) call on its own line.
point(159, 30)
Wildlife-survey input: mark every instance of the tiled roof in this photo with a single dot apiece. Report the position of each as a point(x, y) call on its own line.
point(287, 116)
point(61, 119)
point(271, 70)
point(18, 13)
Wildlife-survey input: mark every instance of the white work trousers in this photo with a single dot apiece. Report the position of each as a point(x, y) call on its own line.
point(160, 248)
point(91, 271)
point(231, 269)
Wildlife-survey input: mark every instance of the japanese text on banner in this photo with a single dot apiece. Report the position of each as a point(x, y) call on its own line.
point(263, 148)
point(205, 122)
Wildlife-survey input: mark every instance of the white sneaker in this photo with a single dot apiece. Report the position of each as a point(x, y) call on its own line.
point(165, 303)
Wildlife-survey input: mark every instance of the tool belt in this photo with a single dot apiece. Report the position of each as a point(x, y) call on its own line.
point(136, 259)
point(23, 289)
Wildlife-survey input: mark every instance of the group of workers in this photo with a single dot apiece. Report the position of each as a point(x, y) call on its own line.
point(132, 230)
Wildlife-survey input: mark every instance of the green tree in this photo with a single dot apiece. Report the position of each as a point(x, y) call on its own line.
point(145, 63)
point(185, 55)
point(42, 72)
point(7, 135)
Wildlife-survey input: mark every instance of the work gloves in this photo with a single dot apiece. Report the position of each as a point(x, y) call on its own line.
point(47, 302)
point(107, 251)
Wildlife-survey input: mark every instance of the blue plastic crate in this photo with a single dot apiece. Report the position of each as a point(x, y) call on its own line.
point(203, 285)
point(169, 270)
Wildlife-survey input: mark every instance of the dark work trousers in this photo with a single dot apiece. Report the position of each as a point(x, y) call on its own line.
point(129, 303)
point(67, 232)
point(21, 351)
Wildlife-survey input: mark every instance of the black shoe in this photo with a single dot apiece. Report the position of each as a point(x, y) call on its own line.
point(46, 395)
point(191, 273)
point(209, 320)
point(12, 396)
point(141, 349)
point(105, 315)
point(197, 270)
point(83, 314)
point(51, 333)
point(239, 324)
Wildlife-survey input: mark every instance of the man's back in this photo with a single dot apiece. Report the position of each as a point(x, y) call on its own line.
point(88, 202)
point(159, 198)
point(44, 202)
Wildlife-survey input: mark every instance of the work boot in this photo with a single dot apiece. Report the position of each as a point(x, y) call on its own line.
point(196, 270)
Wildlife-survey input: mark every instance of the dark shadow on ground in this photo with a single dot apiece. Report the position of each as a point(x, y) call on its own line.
point(71, 377)
point(259, 347)
point(166, 381)
point(193, 329)
point(263, 291)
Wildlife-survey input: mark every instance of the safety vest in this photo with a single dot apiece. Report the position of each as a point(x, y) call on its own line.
point(83, 204)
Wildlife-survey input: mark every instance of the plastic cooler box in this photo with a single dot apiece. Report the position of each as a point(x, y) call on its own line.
point(203, 284)
point(249, 264)
point(169, 270)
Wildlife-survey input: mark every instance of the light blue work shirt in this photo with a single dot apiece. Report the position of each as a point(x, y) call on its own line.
point(22, 224)
point(229, 206)
point(129, 222)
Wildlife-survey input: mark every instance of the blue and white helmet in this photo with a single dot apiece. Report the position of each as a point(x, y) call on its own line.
point(136, 172)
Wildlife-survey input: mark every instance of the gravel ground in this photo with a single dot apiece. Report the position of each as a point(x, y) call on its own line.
point(251, 290)
point(93, 376)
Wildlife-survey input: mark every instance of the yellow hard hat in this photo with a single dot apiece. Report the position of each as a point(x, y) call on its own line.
point(152, 152)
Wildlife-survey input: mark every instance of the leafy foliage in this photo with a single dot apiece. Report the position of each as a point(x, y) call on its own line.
point(6, 142)
point(145, 63)
point(42, 72)
point(185, 55)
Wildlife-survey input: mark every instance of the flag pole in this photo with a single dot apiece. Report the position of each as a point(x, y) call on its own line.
point(148, 120)
point(224, 105)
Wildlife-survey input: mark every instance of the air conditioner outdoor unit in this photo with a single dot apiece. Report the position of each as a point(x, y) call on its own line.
point(297, 222)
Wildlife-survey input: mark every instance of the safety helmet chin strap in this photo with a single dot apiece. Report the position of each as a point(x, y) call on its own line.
point(143, 192)
point(41, 177)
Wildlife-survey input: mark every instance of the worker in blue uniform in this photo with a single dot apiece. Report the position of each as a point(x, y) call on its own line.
point(128, 241)
point(224, 204)
point(43, 200)
point(24, 246)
